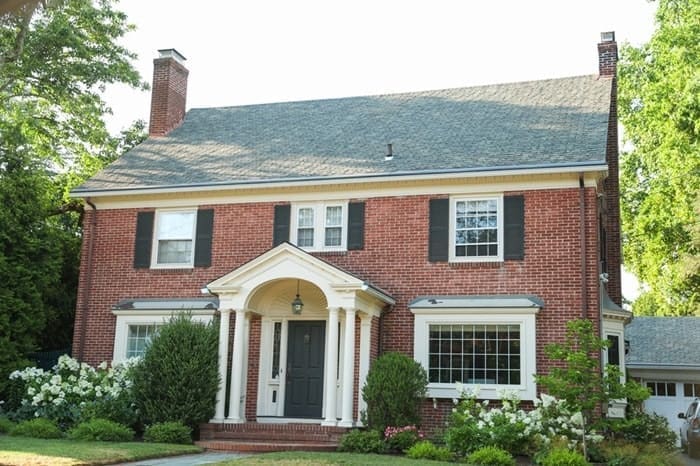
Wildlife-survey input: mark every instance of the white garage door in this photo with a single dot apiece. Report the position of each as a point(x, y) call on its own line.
point(670, 398)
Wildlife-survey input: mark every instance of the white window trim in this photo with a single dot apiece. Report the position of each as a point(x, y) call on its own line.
point(126, 318)
point(320, 225)
point(154, 243)
point(525, 318)
point(453, 227)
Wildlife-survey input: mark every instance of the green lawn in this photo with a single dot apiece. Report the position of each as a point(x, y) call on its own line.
point(24, 451)
point(298, 458)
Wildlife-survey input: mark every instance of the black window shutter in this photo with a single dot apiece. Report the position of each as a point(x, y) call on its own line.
point(439, 230)
point(514, 229)
point(203, 238)
point(144, 239)
point(356, 225)
point(280, 232)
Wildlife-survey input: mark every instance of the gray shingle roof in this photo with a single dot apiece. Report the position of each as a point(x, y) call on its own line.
point(664, 340)
point(527, 124)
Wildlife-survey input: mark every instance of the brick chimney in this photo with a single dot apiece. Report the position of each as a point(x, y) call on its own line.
point(607, 54)
point(612, 259)
point(169, 92)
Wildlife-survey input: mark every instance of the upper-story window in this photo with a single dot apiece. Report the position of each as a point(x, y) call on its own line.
point(320, 226)
point(476, 229)
point(174, 238)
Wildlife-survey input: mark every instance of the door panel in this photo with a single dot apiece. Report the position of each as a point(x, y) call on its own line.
point(305, 358)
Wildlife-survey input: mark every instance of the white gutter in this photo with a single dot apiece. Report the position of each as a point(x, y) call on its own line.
point(351, 179)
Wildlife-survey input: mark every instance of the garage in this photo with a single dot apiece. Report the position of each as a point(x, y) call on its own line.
point(665, 357)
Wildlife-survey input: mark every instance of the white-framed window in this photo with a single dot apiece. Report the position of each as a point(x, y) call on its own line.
point(662, 388)
point(320, 226)
point(173, 239)
point(479, 348)
point(138, 336)
point(476, 228)
point(135, 327)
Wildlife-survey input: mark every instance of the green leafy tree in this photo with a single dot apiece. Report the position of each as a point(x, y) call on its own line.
point(659, 102)
point(578, 379)
point(56, 57)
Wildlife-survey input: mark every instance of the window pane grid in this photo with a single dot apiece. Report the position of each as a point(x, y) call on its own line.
point(477, 354)
point(662, 388)
point(476, 232)
point(174, 251)
point(691, 390)
point(137, 339)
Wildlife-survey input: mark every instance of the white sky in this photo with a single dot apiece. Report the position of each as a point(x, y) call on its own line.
point(254, 51)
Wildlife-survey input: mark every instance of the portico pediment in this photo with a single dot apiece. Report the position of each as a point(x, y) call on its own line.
point(288, 262)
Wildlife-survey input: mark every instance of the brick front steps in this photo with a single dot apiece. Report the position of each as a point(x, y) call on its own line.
point(262, 437)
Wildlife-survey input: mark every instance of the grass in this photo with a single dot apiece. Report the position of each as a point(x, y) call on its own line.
point(25, 451)
point(299, 458)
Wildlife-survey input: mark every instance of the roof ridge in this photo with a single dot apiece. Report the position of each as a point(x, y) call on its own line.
point(396, 94)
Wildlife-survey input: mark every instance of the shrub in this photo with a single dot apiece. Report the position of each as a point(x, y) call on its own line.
point(178, 378)
point(362, 441)
point(168, 432)
point(37, 428)
point(425, 450)
point(623, 453)
point(6, 425)
point(102, 430)
point(402, 438)
point(491, 456)
point(563, 457)
point(120, 409)
point(396, 385)
point(61, 393)
point(644, 428)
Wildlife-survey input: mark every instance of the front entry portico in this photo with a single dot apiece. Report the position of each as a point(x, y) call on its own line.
point(289, 367)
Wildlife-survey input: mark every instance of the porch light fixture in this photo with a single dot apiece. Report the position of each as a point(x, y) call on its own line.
point(297, 304)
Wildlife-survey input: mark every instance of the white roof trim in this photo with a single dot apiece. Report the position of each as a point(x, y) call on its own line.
point(354, 179)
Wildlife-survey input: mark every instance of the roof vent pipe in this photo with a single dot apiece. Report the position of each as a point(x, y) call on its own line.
point(389, 152)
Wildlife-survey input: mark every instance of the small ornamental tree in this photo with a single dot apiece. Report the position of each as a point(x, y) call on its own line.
point(395, 388)
point(178, 378)
point(579, 381)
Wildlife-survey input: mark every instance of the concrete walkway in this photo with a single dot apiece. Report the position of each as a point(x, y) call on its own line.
point(187, 460)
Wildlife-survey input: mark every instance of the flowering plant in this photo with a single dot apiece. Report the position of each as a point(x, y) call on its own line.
point(402, 438)
point(62, 393)
point(473, 425)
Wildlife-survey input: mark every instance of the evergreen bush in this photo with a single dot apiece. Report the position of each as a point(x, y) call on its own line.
point(362, 441)
point(563, 457)
point(178, 378)
point(37, 428)
point(491, 456)
point(168, 432)
point(426, 450)
point(102, 430)
point(395, 388)
point(6, 425)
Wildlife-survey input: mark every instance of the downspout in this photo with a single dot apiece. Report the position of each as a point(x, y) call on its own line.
point(584, 278)
point(87, 281)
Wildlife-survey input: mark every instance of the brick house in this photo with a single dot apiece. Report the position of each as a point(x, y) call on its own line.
point(463, 227)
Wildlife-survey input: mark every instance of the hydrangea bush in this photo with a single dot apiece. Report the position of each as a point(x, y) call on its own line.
point(69, 388)
point(474, 425)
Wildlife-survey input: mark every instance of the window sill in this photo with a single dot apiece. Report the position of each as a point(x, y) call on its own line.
point(331, 252)
point(476, 264)
point(483, 392)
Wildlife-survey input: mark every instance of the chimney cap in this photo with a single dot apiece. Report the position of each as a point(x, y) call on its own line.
point(608, 36)
point(171, 53)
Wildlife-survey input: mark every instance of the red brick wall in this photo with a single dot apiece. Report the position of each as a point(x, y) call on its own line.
point(396, 233)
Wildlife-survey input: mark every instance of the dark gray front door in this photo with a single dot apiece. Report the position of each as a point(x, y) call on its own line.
point(305, 351)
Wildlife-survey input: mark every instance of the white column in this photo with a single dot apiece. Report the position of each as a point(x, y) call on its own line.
point(234, 408)
point(348, 368)
point(365, 343)
point(331, 368)
point(224, 324)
